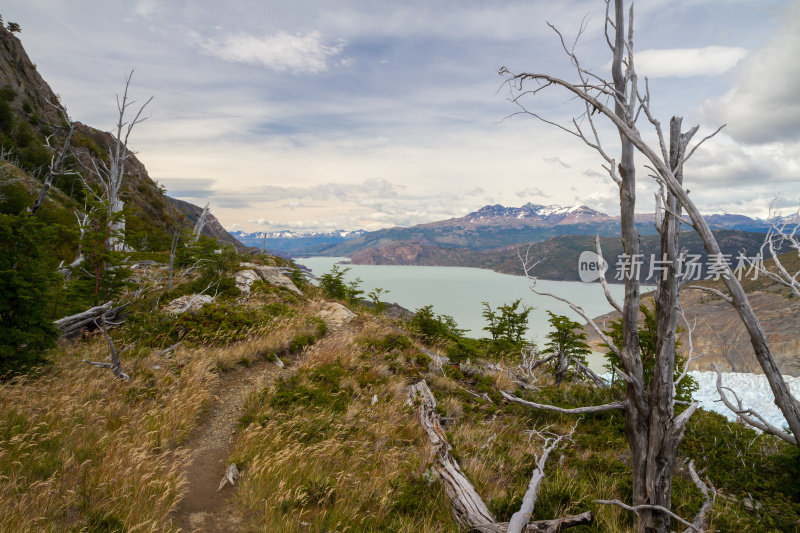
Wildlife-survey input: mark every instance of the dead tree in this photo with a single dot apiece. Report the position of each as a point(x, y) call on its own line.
point(56, 161)
point(115, 365)
point(653, 430)
point(173, 248)
point(594, 92)
point(75, 324)
point(200, 224)
point(467, 506)
point(111, 175)
point(83, 224)
point(783, 233)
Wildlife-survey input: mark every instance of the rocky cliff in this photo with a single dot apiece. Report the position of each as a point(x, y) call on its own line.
point(720, 336)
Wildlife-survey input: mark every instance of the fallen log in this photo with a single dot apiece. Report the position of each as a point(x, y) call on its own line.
point(467, 506)
point(71, 325)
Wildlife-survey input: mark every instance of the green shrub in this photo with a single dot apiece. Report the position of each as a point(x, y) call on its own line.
point(318, 387)
point(432, 327)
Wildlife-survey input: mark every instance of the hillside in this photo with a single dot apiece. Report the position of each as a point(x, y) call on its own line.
point(557, 256)
point(307, 398)
point(30, 112)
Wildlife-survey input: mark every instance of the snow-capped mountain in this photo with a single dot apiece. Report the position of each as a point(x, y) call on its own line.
point(289, 242)
point(532, 214)
point(289, 234)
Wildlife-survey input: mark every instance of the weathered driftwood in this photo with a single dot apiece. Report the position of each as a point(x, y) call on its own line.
point(231, 475)
point(467, 506)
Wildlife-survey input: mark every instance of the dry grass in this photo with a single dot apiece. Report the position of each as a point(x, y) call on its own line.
point(79, 449)
point(331, 460)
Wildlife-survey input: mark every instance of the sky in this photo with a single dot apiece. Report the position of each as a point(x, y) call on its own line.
point(363, 114)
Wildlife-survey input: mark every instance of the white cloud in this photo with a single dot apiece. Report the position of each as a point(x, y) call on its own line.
point(764, 106)
point(281, 52)
point(688, 62)
point(145, 8)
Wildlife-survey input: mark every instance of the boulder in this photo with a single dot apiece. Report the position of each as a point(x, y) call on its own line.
point(335, 314)
point(272, 275)
point(244, 279)
point(190, 302)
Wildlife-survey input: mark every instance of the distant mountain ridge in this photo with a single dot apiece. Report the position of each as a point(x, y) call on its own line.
point(496, 226)
point(556, 258)
point(287, 242)
point(547, 214)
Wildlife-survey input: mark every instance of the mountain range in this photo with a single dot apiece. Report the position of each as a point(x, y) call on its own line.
point(490, 228)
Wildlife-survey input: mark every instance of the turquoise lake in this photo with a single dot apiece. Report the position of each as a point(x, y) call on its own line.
point(459, 291)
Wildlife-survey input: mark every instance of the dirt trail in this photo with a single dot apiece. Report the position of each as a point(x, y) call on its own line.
point(202, 507)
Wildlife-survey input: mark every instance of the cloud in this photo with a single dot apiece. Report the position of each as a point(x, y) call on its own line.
point(594, 174)
point(556, 161)
point(145, 8)
point(300, 53)
point(532, 191)
point(764, 106)
point(189, 187)
point(688, 62)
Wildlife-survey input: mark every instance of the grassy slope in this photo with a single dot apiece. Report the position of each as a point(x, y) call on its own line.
point(82, 452)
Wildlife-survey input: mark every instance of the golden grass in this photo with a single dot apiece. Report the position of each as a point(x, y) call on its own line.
point(80, 449)
point(355, 468)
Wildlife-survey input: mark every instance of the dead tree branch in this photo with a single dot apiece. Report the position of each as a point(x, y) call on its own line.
point(592, 409)
point(114, 365)
point(750, 416)
point(56, 161)
point(637, 508)
point(700, 522)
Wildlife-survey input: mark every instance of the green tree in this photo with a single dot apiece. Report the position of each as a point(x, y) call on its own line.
point(647, 342)
point(13, 27)
point(507, 324)
point(566, 344)
point(433, 327)
point(27, 274)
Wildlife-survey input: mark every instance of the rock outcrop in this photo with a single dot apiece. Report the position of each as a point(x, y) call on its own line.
point(335, 314)
point(188, 303)
point(722, 338)
point(269, 274)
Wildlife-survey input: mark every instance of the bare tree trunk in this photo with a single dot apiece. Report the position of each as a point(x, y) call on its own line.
point(201, 223)
point(55, 167)
point(662, 438)
point(561, 369)
point(466, 504)
point(113, 174)
point(637, 411)
point(173, 248)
